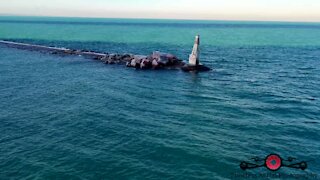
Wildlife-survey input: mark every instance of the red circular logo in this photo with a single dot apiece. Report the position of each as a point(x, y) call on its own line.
point(273, 162)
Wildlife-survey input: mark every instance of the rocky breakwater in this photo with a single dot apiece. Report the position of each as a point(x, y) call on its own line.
point(156, 60)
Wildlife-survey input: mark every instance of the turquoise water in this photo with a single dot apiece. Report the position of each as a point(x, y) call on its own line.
point(74, 118)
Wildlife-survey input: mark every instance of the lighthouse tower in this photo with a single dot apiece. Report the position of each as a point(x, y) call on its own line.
point(194, 64)
point(194, 56)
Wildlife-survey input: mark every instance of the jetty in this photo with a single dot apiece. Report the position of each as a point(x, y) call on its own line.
point(156, 60)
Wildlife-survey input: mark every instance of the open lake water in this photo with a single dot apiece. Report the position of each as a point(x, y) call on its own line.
point(75, 118)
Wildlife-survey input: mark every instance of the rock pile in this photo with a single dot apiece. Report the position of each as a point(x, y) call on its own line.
point(156, 60)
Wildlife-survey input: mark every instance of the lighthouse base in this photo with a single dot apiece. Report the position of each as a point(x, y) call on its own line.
point(197, 68)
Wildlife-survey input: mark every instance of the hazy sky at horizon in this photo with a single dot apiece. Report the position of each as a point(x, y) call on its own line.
point(279, 10)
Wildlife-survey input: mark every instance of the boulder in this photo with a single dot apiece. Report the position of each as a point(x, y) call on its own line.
point(145, 64)
point(155, 64)
point(125, 58)
point(133, 63)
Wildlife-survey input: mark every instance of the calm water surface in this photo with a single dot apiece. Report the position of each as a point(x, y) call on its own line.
point(74, 118)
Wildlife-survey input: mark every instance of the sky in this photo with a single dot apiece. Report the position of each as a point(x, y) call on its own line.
point(265, 10)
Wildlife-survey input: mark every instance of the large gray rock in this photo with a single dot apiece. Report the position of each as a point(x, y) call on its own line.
point(155, 64)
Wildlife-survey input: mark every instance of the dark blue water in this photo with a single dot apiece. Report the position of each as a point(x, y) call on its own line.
point(74, 118)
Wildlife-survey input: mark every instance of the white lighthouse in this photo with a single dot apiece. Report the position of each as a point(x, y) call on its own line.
point(194, 63)
point(194, 56)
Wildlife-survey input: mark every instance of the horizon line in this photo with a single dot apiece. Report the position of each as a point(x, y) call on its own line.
point(141, 18)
